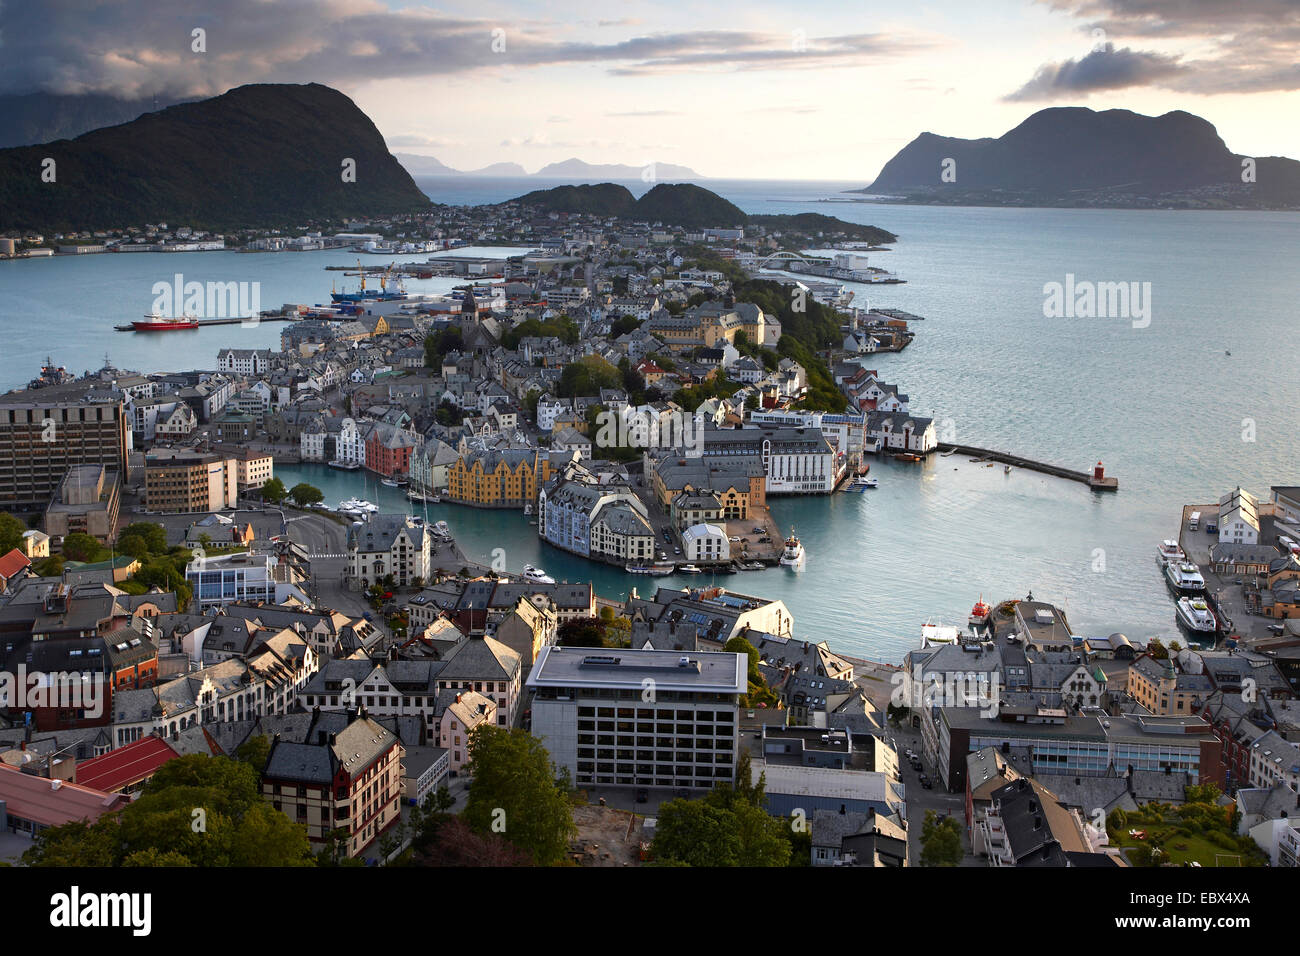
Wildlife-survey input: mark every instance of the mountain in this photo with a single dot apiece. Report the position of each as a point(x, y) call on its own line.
point(577, 169)
point(258, 155)
point(42, 117)
point(1076, 156)
point(418, 165)
point(688, 205)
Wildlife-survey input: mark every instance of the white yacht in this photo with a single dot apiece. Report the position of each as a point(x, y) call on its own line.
point(862, 481)
point(689, 569)
point(933, 635)
point(357, 506)
point(537, 575)
point(1169, 551)
point(793, 556)
point(441, 530)
point(1184, 578)
point(1196, 617)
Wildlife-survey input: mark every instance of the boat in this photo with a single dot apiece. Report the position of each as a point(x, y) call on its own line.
point(416, 497)
point(980, 614)
point(864, 482)
point(345, 465)
point(753, 566)
point(1184, 578)
point(389, 482)
point(165, 323)
point(1169, 551)
point(689, 569)
point(51, 374)
point(907, 456)
point(1006, 469)
point(1195, 616)
point(528, 509)
point(441, 530)
point(793, 555)
point(357, 506)
point(933, 635)
point(537, 575)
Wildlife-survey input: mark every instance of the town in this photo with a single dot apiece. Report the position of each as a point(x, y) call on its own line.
point(637, 392)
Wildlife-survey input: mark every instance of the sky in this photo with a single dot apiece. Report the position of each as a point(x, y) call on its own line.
point(754, 89)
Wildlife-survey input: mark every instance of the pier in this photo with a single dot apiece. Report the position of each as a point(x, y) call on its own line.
point(1095, 481)
point(250, 320)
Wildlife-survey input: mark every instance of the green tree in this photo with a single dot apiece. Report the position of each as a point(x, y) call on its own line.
point(153, 534)
point(273, 491)
point(11, 532)
point(304, 494)
point(83, 547)
point(51, 567)
point(133, 545)
point(1157, 649)
point(254, 751)
point(940, 841)
point(515, 793)
point(581, 632)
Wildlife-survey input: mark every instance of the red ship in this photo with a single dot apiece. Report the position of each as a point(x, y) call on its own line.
point(165, 323)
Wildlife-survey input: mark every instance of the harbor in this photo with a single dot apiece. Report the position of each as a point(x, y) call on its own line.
point(1097, 479)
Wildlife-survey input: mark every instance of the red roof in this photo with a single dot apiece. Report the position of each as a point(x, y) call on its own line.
point(53, 802)
point(12, 563)
point(126, 765)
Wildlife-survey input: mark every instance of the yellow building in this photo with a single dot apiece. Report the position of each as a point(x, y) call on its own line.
point(508, 478)
point(1162, 690)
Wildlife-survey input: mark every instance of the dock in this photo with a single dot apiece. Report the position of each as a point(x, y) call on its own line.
point(248, 320)
point(1097, 482)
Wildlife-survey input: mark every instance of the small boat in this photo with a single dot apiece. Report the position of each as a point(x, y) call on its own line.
point(1196, 617)
point(1169, 551)
point(753, 566)
point(537, 575)
point(345, 465)
point(389, 483)
point(416, 497)
point(864, 482)
point(1184, 578)
point(793, 556)
point(357, 506)
point(907, 456)
point(933, 635)
point(528, 509)
point(980, 614)
point(441, 530)
point(433, 499)
point(689, 569)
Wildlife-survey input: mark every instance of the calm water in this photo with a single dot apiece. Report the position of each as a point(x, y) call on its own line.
point(1162, 406)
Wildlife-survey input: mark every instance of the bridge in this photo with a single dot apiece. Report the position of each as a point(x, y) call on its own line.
point(790, 257)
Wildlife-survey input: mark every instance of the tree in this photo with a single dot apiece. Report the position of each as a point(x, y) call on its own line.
point(940, 841)
point(304, 494)
point(154, 535)
point(515, 793)
point(455, 844)
point(83, 547)
point(254, 751)
point(51, 567)
point(11, 532)
point(1157, 649)
point(273, 491)
point(133, 545)
point(581, 632)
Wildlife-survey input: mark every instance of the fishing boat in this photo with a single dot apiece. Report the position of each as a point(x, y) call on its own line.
point(1195, 617)
point(689, 569)
point(165, 323)
point(793, 556)
point(537, 575)
point(1184, 578)
point(980, 614)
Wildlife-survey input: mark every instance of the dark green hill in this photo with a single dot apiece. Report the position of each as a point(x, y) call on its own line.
point(259, 155)
point(602, 199)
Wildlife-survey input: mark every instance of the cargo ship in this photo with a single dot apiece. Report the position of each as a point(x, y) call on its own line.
point(165, 323)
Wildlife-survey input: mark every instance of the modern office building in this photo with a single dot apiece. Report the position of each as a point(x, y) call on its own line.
point(640, 718)
point(177, 480)
point(87, 502)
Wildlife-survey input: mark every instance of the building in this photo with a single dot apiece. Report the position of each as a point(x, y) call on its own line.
point(178, 481)
point(253, 578)
point(506, 478)
point(244, 362)
point(1159, 687)
point(384, 545)
point(706, 543)
point(45, 431)
point(87, 502)
point(468, 711)
point(486, 666)
point(1238, 518)
point(253, 469)
point(389, 450)
point(795, 460)
point(343, 771)
point(32, 804)
point(639, 717)
point(605, 521)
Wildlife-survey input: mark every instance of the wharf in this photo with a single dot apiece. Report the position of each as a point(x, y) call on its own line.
point(1029, 464)
point(248, 320)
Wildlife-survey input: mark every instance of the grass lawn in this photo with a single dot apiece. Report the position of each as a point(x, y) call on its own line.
point(1180, 850)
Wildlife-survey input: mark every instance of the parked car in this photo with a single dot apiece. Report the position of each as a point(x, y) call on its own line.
point(1276, 628)
point(926, 782)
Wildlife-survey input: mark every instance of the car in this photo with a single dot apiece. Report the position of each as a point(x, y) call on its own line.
point(642, 795)
point(911, 754)
point(926, 782)
point(757, 530)
point(677, 550)
point(1276, 628)
point(733, 538)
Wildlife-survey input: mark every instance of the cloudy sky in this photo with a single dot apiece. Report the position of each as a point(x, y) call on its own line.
point(741, 88)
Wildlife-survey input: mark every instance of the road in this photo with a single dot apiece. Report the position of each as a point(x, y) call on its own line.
point(920, 800)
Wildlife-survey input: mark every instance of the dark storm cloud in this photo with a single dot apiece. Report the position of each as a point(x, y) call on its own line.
point(137, 49)
point(1105, 69)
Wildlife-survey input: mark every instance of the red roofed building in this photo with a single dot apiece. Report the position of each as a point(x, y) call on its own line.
point(650, 372)
point(12, 565)
point(123, 770)
point(31, 803)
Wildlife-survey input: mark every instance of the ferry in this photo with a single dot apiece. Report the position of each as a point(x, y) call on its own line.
point(537, 575)
point(980, 614)
point(165, 323)
point(655, 570)
point(793, 555)
point(689, 569)
point(934, 635)
point(1184, 578)
point(1169, 551)
point(1195, 616)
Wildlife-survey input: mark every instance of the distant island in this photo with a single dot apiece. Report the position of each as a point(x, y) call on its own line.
point(255, 156)
point(571, 169)
point(1073, 156)
point(691, 206)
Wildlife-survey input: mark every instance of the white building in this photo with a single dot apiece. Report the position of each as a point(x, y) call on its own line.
point(231, 578)
point(244, 361)
point(351, 443)
point(706, 543)
point(388, 544)
point(1239, 518)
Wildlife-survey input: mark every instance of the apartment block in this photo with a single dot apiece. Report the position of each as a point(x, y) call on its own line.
point(177, 480)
